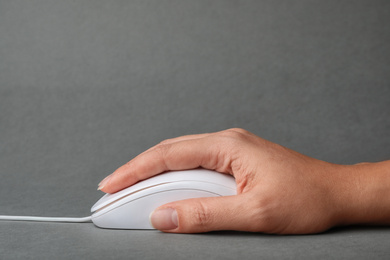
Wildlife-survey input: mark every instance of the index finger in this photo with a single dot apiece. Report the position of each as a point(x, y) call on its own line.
point(180, 155)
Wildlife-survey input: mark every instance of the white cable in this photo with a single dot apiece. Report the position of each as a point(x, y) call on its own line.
point(46, 219)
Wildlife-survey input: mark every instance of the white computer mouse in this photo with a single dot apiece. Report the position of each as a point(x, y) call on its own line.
point(130, 208)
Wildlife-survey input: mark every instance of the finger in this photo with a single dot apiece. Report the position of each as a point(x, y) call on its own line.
point(181, 155)
point(197, 136)
point(178, 139)
point(167, 141)
point(185, 137)
point(202, 215)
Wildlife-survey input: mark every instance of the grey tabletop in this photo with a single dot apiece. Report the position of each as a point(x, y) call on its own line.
point(87, 85)
point(84, 241)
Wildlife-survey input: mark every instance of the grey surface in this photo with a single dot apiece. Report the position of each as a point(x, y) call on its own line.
point(83, 241)
point(87, 85)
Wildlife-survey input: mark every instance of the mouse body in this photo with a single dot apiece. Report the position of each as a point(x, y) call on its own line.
point(130, 208)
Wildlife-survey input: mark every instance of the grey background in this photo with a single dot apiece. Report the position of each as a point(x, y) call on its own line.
point(87, 85)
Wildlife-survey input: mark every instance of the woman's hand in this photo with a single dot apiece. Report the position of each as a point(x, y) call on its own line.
point(278, 190)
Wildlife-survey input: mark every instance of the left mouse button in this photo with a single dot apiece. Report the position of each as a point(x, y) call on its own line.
point(100, 203)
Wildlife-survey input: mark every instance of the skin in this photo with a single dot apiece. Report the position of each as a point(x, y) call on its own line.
point(278, 190)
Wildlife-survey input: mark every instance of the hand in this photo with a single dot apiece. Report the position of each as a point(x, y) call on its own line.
point(278, 190)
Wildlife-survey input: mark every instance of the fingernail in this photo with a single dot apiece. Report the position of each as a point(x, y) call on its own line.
point(104, 182)
point(164, 219)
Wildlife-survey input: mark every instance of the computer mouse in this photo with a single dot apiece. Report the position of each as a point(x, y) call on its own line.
point(130, 208)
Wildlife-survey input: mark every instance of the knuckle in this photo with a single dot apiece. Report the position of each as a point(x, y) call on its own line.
point(238, 130)
point(166, 141)
point(229, 141)
point(162, 151)
point(235, 133)
point(202, 216)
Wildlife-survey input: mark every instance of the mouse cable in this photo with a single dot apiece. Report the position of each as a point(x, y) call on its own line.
point(46, 219)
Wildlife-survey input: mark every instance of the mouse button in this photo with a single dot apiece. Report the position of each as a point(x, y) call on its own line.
point(107, 206)
point(121, 200)
point(109, 198)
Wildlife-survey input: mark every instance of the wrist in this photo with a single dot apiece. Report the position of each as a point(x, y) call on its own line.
point(363, 193)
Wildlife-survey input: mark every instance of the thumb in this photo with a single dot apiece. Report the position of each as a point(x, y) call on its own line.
point(200, 215)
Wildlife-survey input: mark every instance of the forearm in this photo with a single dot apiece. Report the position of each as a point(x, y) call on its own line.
point(365, 194)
